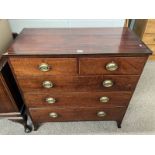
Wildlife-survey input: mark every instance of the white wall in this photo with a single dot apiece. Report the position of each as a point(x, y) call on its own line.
point(18, 25)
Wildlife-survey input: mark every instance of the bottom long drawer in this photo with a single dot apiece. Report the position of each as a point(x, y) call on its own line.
point(40, 115)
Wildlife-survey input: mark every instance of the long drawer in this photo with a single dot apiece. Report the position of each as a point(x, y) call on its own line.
point(77, 99)
point(111, 65)
point(40, 115)
point(78, 83)
point(43, 66)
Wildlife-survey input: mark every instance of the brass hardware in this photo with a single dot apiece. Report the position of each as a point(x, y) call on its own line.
point(108, 83)
point(47, 84)
point(50, 100)
point(44, 67)
point(101, 114)
point(53, 115)
point(104, 99)
point(112, 66)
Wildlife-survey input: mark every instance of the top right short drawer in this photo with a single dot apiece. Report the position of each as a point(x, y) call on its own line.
point(111, 65)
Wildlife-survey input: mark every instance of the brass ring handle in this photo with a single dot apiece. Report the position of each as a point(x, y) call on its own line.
point(44, 67)
point(101, 114)
point(53, 115)
point(112, 66)
point(104, 99)
point(108, 83)
point(50, 100)
point(47, 84)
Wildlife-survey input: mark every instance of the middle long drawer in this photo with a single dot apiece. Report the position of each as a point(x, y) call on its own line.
point(78, 83)
point(78, 99)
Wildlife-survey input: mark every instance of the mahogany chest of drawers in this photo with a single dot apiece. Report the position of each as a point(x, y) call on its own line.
point(77, 74)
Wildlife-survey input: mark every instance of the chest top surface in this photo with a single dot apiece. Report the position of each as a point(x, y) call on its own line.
point(77, 41)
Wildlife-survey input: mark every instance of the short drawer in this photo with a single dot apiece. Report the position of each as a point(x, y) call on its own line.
point(111, 65)
point(43, 66)
point(78, 99)
point(149, 38)
point(40, 115)
point(78, 83)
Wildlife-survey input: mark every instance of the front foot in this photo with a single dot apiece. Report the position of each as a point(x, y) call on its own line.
point(36, 126)
point(119, 124)
point(28, 128)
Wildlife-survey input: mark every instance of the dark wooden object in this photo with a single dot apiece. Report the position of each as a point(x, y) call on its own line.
point(77, 60)
point(78, 83)
point(7, 103)
point(77, 99)
point(41, 115)
point(11, 103)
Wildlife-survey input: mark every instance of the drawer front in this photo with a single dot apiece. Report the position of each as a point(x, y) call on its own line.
point(40, 115)
point(149, 38)
point(44, 66)
point(150, 27)
point(112, 65)
point(78, 84)
point(78, 99)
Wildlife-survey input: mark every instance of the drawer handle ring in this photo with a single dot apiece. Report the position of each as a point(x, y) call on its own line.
point(108, 83)
point(104, 99)
point(50, 100)
point(44, 67)
point(101, 114)
point(112, 66)
point(53, 115)
point(47, 84)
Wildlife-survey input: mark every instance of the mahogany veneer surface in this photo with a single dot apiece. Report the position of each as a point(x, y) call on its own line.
point(78, 99)
point(78, 83)
point(39, 41)
point(73, 114)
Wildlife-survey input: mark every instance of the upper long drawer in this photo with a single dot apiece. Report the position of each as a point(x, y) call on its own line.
point(78, 83)
point(43, 66)
point(112, 65)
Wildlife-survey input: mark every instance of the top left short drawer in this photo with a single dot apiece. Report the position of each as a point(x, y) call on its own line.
point(43, 66)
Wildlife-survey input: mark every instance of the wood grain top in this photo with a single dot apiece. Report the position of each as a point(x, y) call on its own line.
point(77, 41)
